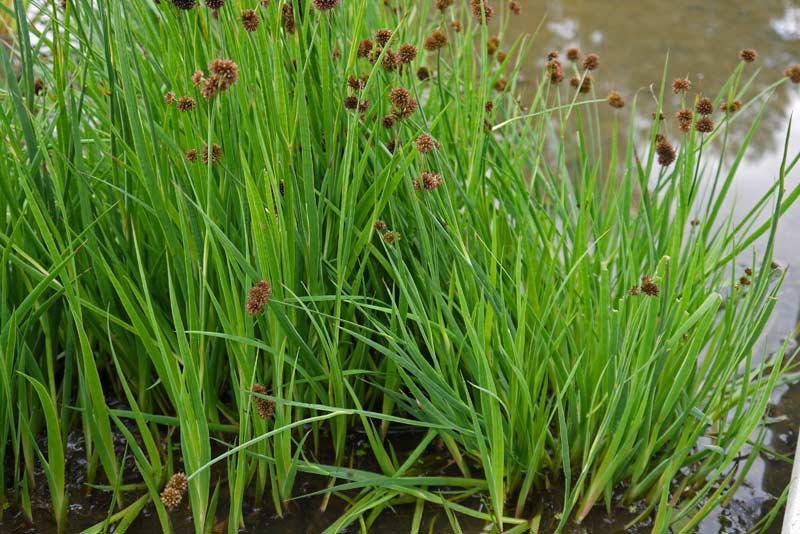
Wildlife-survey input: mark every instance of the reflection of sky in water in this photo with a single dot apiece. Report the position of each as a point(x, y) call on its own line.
point(703, 39)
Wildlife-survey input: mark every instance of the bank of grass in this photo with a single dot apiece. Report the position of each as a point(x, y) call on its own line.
point(498, 313)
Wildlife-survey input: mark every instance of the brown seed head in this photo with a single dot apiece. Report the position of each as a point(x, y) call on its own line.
point(455, 25)
point(514, 7)
point(170, 497)
point(435, 41)
point(681, 85)
point(380, 225)
point(748, 271)
point(650, 289)
point(325, 5)
point(583, 86)
point(573, 53)
point(733, 107)
point(748, 55)
point(356, 84)
point(383, 37)
point(197, 78)
point(191, 154)
point(364, 48)
point(407, 53)
point(179, 482)
point(704, 106)
point(363, 105)
point(492, 44)
point(634, 290)
point(287, 18)
point(423, 74)
point(264, 407)
point(351, 102)
point(250, 20)
point(183, 4)
point(441, 5)
point(390, 60)
point(388, 121)
point(745, 281)
point(704, 125)
point(186, 103)
point(169, 98)
point(684, 117)
point(258, 297)
point(591, 61)
point(210, 88)
point(481, 8)
point(391, 236)
point(615, 100)
point(665, 150)
point(216, 153)
point(793, 73)
point(215, 4)
point(399, 97)
point(425, 143)
point(501, 56)
point(227, 71)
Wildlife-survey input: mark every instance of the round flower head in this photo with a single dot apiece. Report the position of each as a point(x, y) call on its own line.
point(704, 125)
point(681, 85)
point(455, 25)
point(287, 18)
point(514, 7)
point(264, 407)
point(351, 102)
point(423, 74)
point(441, 5)
point(325, 5)
point(363, 105)
point(731, 107)
point(197, 78)
point(665, 151)
point(591, 61)
point(425, 143)
point(615, 100)
point(250, 20)
point(492, 44)
point(748, 55)
point(179, 482)
point(210, 88)
point(684, 118)
point(428, 181)
point(169, 98)
point(357, 84)
point(399, 97)
point(555, 71)
point(227, 71)
point(704, 106)
point(573, 53)
point(481, 9)
point(364, 48)
point(793, 73)
point(258, 297)
point(186, 103)
point(215, 4)
point(383, 36)
point(501, 57)
point(388, 121)
point(171, 498)
point(391, 236)
point(390, 60)
point(183, 4)
point(501, 84)
point(407, 53)
point(648, 287)
point(435, 41)
point(584, 86)
point(216, 153)
point(191, 154)
point(379, 225)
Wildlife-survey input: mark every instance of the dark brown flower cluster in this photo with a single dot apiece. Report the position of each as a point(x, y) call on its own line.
point(793, 73)
point(391, 236)
point(403, 103)
point(173, 492)
point(704, 125)
point(215, 4)
point(223, 74)
point(425, 143)
point(325, 5)
point(186, 103)
point(514, 7)
point(364, 48)
point(264, 407)
point(287, 18)
point(441, 5)
point(649, 287)
point(684, 118)
point(665, 151)
point(748, 55)
point(183, 4)
point(583, 85)
point(407, 53)
point(435, 41)
point(482, 10)
point(704, 106)
point(615, 100)
point(731, 107)
point(591, 61)
point(423, 74)
point(573, 53)
point(250, 20)
point(681, 85)
point(492, 44)
point(428, 181)
point(554, 71)
point(216, 153)
point(258, 297)
point(382, 37)
point(191, 154)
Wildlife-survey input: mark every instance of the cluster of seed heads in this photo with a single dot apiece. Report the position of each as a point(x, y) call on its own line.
point(258, 297)
point(665, 151)
point(388, 236)
point(173, 492)
point(425, 143)
point(428, 181)
point(615, 100)
point(223, 73)
point(481, 10)
point(264, 407)
point(648, 287)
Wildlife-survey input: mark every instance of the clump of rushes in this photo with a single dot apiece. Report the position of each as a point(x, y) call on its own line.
point(515, 7)
point(591, 62)
point(435, 41)
point(216, 153)
point(665, 151)
point(183, 4)
point(615, 100)
point(407, 53)
point(186, 103)
point(258, 297)
point(573, 53)
point(264, 407)
point(215, 4)
point(704, 125)
point(704, 106)
point(383, 36)
point(748, 55)
point(428, 181)
point(425, 143)
point(250, 20)
point(481, 10)
point(325, 5)
point(793, 73)
point(681, 85)
point(287, 18)
point(684, 118)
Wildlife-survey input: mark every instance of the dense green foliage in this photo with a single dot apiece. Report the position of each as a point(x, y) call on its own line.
point(495, 310)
